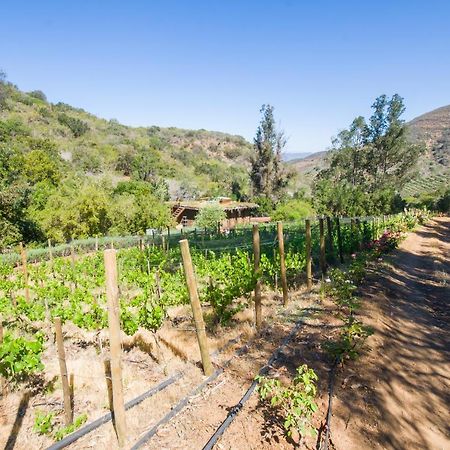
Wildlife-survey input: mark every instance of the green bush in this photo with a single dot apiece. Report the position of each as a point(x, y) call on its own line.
point(295, 402)
point(77, 127)
point(209, 216)
point(20, 357)
point(293, 210)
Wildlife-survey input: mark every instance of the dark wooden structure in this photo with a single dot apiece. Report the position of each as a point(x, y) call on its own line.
point(185, 212)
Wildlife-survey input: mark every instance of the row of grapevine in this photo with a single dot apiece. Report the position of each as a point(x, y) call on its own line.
point(151, 280)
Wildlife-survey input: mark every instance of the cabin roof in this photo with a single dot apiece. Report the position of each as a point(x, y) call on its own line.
point(226, 205)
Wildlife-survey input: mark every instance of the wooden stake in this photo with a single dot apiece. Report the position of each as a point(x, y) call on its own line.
point(96, 243)
point(72, 255)
point(68, 413)
point(112, 295)
point(358, 234)
point(330, 236)
point(50, 252)
point(308, 254)
point(23, 254)
point(257, 272)
point(282, 262)
point(353, 233)
point(196, 307)
point(158, 285)
point(323, 262)
point(339, 237)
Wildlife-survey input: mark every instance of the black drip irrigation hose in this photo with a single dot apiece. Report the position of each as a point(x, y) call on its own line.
point(330, 400)
point(235, 410)
point(183, 402)
point(107, 417)
point(175, 410)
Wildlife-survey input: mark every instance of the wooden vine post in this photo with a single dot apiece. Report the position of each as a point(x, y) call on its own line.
point(196, 307)
point(308, 254)
point(72, 255)
point(23, 254)
point(282, 262)
point(323, 262)
point(330, 236)
point(112, 295)
point(68, 413)
point(158, 285)
point(339, 239)
point(358, 233)
point(256, 269)
point(50, 252)
point(353, 233)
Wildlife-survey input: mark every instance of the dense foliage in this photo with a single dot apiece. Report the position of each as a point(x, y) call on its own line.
point(268, 175)
point(370, 163)
point(210, 216)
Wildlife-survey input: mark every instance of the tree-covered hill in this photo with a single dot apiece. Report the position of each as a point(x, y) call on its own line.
point(193, 161)
point(66, 173)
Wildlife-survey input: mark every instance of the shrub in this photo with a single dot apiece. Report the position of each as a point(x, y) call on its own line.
point(38, 94)
point(295, 402)
point(209, 216)
point(76, 126)
point(293, 210)
point(20, 357)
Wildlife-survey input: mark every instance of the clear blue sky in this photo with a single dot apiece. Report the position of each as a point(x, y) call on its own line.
point(211, 64)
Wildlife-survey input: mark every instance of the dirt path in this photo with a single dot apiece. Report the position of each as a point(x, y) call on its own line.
point(398, 395)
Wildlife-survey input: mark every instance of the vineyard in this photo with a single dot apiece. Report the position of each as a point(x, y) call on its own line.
point(85, 325)
point(429, 184)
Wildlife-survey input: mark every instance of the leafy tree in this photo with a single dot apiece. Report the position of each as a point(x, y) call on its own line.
point(268, 175)
point(145, 164)
point(209, 216)
point(76, 209)
point(294, 209)
point(77, 127)
point(38, 94)
point(125, 162)
point(39, 166)
point(369, 164)
point(391, 157)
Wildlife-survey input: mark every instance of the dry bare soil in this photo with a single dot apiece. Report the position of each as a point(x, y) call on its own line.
point(398, 396)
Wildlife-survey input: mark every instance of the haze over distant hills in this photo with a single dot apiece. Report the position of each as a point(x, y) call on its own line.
point(292, 156)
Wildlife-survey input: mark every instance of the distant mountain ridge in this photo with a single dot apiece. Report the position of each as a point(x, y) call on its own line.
point(433, 129)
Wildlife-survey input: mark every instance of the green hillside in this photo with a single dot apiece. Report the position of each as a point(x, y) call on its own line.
point(65, 173)
point(433, 130)
point(193, 162)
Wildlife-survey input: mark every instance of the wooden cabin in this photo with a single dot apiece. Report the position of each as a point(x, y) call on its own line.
point(185, 211)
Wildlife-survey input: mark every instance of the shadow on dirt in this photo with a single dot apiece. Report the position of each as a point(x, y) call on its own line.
point(405, 389)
